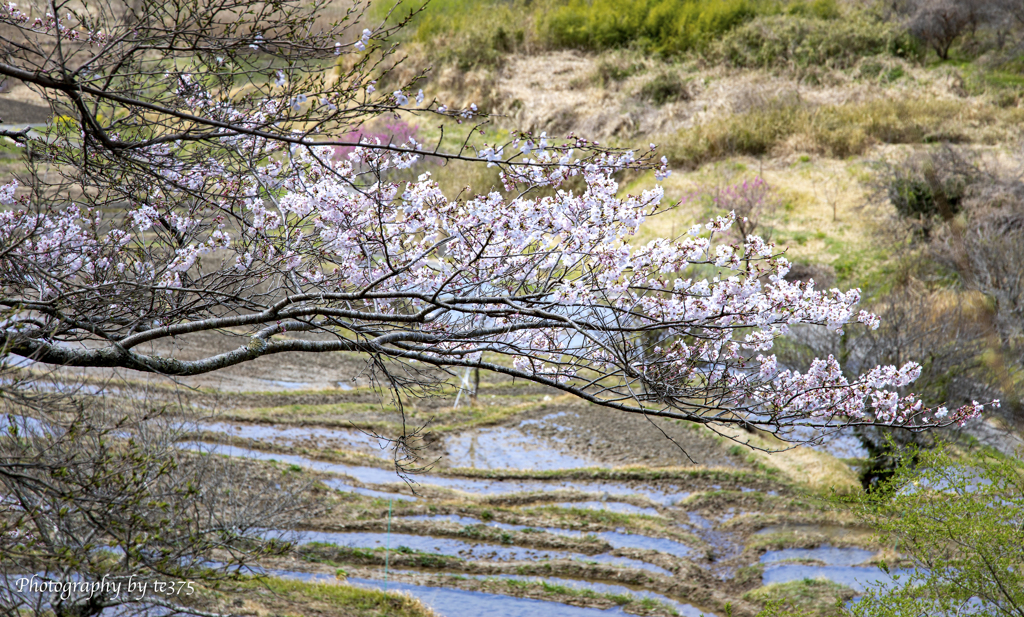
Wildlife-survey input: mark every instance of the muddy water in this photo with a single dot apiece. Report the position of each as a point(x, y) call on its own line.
point(723, 544)
point(474, 551)
point(617, 539)
point(509, 448)
point(829, 555)
point(376, 475)
point(457, 603)
point(857, 578)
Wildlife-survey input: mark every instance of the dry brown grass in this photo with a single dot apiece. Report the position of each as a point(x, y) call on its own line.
point(818, 471)
point(783, 125)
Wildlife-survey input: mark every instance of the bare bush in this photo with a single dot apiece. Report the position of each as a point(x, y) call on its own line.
point(948, 334)
point(96, 491)
point(939, 23)
point(987, 254)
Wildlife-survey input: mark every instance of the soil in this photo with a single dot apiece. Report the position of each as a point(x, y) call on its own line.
point(19, 105)
point(625, 439)
point(18, 112)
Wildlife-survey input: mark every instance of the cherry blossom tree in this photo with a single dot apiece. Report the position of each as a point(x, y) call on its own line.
point(188, 184)
point(184, 203)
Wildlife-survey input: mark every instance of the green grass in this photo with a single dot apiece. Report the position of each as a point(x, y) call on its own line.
point(474, 33)
point(290, 597)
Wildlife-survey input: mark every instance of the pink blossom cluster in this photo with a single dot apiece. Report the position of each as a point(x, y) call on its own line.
point(52, 24)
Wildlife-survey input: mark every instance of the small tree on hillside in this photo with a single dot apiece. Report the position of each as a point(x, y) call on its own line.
point(939, 23)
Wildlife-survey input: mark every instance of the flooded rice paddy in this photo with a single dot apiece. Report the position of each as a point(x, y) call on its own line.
point(683, 609)
point(617, 539)
point(617, 507)
point(859, 579)
point(510, 448)
point(345, 439)
point(828, 555)
point(377, 475)
point(553, 524)
point(454, 548)
point(453, 602)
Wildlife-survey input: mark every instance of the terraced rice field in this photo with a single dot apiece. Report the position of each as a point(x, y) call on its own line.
point(530, 504)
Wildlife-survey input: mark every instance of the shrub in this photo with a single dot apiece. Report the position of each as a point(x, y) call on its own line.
point(957, 521)
point(612, 71)
point(833, 130)
point(664, 26)
point(798, 41)
point(928, 186)
point(664, 88)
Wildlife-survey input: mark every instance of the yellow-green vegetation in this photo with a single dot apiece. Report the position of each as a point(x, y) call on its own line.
point(480, 32)
point(955, 516)
point(804, 42)
point(665, 26)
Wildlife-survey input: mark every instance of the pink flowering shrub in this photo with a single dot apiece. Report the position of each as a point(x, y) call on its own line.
point(395, 132)
point(754, 201)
